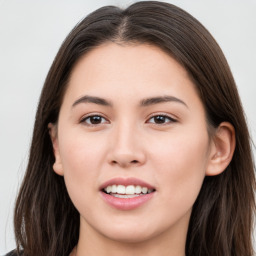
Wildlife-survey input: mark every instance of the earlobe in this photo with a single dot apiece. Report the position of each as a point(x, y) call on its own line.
point(57, 166)
point(222, 150)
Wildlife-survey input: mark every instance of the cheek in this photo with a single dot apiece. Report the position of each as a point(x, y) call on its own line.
point(181, 166)
point(80, 161)
point(80, 153)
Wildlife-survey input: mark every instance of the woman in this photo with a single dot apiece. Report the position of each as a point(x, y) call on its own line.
point(140, 146)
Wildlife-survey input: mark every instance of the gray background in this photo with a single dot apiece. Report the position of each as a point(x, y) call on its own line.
point(30, 35)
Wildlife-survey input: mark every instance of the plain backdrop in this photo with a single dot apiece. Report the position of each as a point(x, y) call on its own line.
point(30, 35)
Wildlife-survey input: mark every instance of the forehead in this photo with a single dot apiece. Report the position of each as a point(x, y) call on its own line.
point(122, 61)
point(137, 70)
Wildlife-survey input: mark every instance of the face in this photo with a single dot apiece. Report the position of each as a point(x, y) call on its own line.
point(131, 143)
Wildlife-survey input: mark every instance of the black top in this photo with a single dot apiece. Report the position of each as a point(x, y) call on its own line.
point(12, 253)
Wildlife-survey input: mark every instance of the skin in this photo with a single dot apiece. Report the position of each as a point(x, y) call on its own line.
point(173, 154)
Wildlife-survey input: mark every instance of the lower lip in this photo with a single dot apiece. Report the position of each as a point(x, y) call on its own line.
point(126, 203)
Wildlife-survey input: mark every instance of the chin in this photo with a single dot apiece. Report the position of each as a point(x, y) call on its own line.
point(124, 237)
point(130, 234)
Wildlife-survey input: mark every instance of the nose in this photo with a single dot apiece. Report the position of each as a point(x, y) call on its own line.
point(126, 147)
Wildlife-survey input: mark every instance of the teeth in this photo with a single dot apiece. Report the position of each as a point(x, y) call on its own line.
point(138, 189)
point(113, 189)
point(130, 190)
point(109, 189)
point(144, 190)
point(124, 196)
point(121, 190)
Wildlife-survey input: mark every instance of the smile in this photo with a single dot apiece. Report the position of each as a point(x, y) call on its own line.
point(126, 194)
point(129, 191)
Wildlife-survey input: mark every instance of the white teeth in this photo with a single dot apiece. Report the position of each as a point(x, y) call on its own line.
point(130, 190)
point(121, 190)
point(109, 189)
point(114, 188)
point(144, 190)
point(138, 189)
point(124, 196)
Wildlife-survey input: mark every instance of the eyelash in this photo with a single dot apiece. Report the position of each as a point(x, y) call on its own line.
point(88, 117)
point(100, 117)
point(165, 116)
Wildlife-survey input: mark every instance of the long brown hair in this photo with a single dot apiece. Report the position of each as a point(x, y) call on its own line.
point(47, 223)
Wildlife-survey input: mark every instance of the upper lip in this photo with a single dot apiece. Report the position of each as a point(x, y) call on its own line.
point(126, 182)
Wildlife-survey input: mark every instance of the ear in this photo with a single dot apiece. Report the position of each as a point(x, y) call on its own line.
point(222, 149)
point(57, 166)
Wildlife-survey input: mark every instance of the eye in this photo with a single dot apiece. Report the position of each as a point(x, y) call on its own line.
point(94, 120)
point(161, 119)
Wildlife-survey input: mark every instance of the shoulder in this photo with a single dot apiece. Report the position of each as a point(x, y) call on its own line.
point(13, 253)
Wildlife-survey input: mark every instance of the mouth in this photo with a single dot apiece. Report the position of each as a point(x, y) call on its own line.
point(129, 191)
point(126, 193)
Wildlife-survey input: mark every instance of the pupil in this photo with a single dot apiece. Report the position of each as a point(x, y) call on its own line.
point(159, 119)
point(95, 119)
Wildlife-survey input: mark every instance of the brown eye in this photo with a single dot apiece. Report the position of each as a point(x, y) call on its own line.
point(94, 120)
point(161, 119)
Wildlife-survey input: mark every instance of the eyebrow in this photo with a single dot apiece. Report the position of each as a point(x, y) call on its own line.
point(143, 103)
point(161, 99)
point(92, 99)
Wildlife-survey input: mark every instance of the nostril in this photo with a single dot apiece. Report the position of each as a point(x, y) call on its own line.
point(124, 161)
